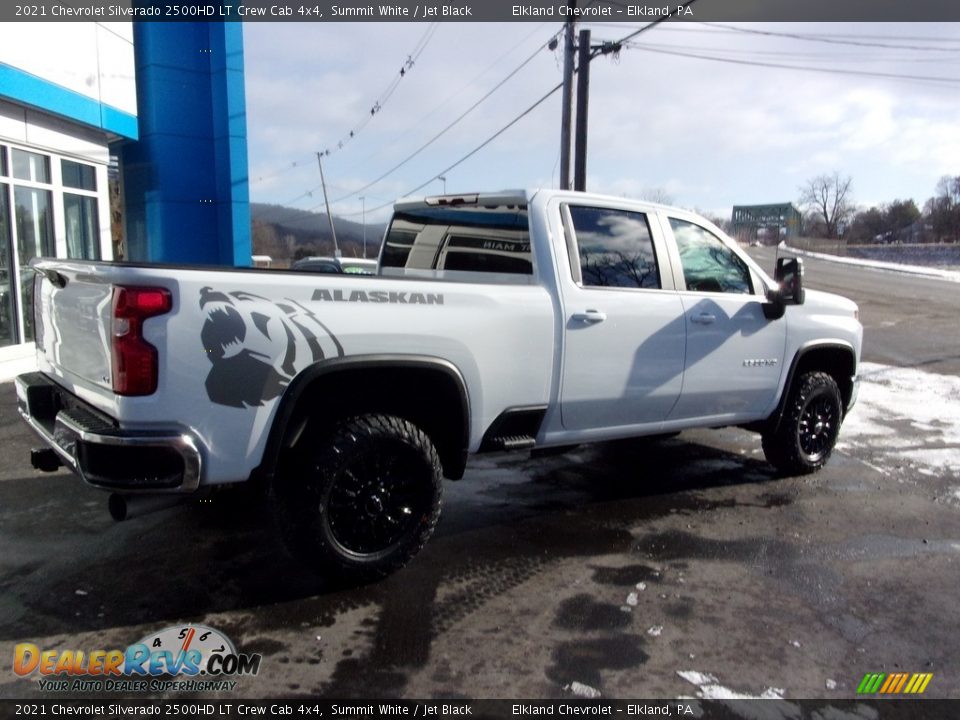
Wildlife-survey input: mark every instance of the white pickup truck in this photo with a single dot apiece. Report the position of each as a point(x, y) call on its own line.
point(497, 321)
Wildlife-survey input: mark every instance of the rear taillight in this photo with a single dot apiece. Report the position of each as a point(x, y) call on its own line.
point(134, 359)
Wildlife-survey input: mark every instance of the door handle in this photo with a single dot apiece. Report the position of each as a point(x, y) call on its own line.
point(590, 317)
point(704, 319)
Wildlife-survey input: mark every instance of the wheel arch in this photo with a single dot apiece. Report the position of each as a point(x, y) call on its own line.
point(389, 384)
point(836, 358)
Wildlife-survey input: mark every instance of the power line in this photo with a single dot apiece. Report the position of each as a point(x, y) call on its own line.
point(348, 194)
point(473, 152)
point(820, 38)
point(638, 32)
point(381, 100)
point(440, 134)
point(648, 26)
point(719, 30)
point(384, 96)
point(526, 112)
point(804, 56)
point(294, 165)
point(463, 86)
point(783, 66)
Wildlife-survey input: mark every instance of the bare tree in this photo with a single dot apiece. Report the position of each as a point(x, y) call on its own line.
point(942, 212)
point(828, 199)
point(656, 195)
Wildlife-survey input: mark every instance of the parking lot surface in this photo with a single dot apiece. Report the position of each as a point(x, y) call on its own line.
point(684, 567)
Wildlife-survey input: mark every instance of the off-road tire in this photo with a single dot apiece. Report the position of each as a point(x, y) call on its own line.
point(807, 433)
point(363, 501)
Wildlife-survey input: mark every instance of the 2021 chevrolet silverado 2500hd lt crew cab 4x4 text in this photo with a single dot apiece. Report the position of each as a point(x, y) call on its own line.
point(497, 321)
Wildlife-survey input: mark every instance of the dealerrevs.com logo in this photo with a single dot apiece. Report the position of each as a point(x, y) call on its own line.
point(180, 657)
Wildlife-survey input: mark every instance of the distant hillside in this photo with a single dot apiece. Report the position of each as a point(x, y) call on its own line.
point(287, 233)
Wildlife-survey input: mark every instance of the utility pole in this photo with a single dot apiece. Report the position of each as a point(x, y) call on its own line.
point(583, 96)
point(333, 232)
point(567, 101)
point(363, 210)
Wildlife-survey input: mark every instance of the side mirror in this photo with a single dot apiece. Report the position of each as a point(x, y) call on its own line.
point(789, 274)
point(789, 277)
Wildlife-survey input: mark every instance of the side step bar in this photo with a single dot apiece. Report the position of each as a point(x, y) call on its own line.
point(514, 429)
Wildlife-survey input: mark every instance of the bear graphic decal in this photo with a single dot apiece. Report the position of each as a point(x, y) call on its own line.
point(256, 346)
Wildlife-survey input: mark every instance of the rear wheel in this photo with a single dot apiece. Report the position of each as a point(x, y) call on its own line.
point(365, 500)
point(808, 430)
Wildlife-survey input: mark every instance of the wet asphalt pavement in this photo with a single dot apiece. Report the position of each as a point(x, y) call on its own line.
point(614, 567)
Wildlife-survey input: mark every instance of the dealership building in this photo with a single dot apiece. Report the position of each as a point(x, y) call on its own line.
point(118, 141)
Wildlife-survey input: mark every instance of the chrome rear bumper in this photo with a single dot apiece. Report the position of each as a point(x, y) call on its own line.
point(99, 451)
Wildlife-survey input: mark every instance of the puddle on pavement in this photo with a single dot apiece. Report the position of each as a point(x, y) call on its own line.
point(583, 660)
point(627, 576)
point(582, 612)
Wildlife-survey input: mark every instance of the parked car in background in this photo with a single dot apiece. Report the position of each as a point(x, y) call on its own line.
point(318, 265)
point(358, 266)
point(352, 266)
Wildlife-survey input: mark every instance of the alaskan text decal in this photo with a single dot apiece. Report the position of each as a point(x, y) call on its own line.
point(378, 296)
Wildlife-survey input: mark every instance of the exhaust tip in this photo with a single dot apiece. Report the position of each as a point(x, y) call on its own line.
point(117, 505)
point(123, 507)
point(45, 459)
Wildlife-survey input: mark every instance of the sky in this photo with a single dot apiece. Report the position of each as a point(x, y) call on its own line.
point(706, 133)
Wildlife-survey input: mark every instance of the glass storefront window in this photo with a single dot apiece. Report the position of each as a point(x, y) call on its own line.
point(34, 221)
point(77, 175)
point(30, 166)
point(42, 195)
point(83, 229)
point(8, 315)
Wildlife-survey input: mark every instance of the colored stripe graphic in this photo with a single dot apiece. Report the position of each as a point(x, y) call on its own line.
point(890, 683)
point(894, 684)
point(918, 683)
point(870, 683)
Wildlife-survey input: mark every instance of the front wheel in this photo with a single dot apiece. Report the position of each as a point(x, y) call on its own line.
point(365, 501)
point(808, 431)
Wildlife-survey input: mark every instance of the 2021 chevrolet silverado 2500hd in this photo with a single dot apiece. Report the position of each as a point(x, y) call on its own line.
point(497, 321)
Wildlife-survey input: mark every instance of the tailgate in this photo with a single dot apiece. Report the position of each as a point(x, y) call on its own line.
point(72, 311)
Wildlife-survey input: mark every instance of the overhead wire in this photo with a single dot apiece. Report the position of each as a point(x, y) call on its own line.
point(801, 56)
point(312, 190)
point(473, 152)
point(720, 29)
point(833, 40)
point(523, 114)
point(448, 127)
point(462, 86)
point(626, 40)
point(382, 98)
point(784, 66)
point(387, 93)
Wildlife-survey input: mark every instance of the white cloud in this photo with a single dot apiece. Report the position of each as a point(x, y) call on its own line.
point(711, 134)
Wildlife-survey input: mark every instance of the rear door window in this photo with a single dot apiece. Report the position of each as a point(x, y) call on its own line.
point(614, 248)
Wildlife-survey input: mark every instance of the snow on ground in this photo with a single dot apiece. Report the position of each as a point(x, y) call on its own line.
point(950, 275)
point(709, 688)
point(908, 417)
point(582, 691)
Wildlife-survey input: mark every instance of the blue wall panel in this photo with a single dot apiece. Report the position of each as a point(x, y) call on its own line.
point(185, 181)
point(19, 85)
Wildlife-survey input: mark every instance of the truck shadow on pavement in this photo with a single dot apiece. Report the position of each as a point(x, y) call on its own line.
point(68, 569)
